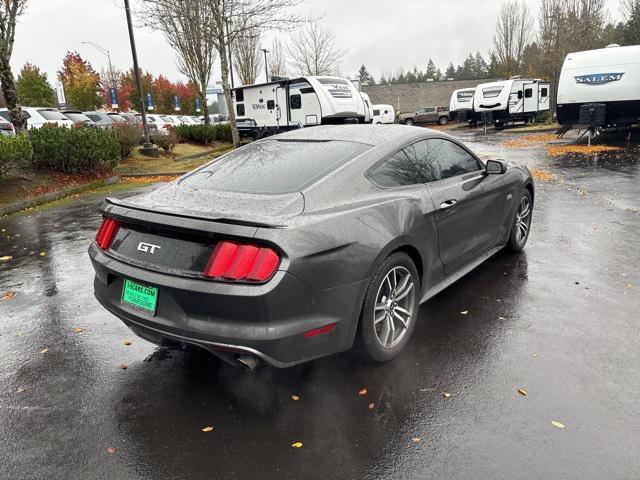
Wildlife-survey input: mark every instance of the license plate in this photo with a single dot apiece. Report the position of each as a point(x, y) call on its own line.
point(139, 296)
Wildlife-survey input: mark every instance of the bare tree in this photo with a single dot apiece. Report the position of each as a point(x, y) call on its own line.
point(247, 56)
point(277, 61)
point(187, 28)
point(313, 50)
point(514, 29)
point(10, 10)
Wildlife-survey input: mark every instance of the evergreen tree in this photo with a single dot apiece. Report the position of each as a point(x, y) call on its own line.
point(480, 66)
point(432, 71)
point(450, 72)
point(33, 89)
point(631, 30)
point(363, 75)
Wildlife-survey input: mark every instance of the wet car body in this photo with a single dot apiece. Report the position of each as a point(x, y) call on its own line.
point(331, 235)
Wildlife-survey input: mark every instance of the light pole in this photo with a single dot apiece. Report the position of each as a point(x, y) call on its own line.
point(147, 147)
point(104, 51)
point(266, 70)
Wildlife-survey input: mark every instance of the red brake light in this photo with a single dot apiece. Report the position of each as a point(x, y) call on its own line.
point(241, 262)
point(107, 232)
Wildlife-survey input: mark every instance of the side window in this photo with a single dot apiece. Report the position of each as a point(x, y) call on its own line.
point(295, 101)
point(429, 110)
point(376, 112)
point(406, 167)
point(519, 94)
point(528, 93)
point(544, 92)
point(240, 95)
point(271, 104)
point(95, 118)
point(240, 109)
point(448, 159)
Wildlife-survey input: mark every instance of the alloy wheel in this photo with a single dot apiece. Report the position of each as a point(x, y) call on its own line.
point(523, 220)
point(394, 308)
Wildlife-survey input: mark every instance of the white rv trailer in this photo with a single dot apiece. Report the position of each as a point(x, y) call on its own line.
point(600, 88)
point(461, 105)
point(285, 104)
point(368, 117)
point(383, 114)
point(508, 101)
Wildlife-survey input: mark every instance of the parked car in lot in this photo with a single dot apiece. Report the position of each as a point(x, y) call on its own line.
point(37, 117)
point(290, 247)
point(425, 115)
point(78, 118)
point(383, 114)
point(161, 126)
point(100, 119)
point(6, 127)
point(116, 117)
point(187, 120)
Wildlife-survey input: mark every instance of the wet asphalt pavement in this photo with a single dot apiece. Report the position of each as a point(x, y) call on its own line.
point(559, 321)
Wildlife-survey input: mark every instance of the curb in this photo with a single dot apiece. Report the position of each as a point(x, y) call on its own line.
point(152, 174)
point(53, 196)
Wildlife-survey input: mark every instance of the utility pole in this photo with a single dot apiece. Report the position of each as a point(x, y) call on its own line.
point(266, 70)
point(147, 147)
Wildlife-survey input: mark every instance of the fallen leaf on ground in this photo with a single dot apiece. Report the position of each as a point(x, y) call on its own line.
point(446, 394)
point(44, 350)
point(628, 285)
point(123, 366)
point(127, 342)
point(557, 424)
point(20, 390)
point(6, 258)
point(501, 318)
point(536, 354)
point(522, 392)
point(297, 445)
point(207, 429)
point(362, 391)
point(372, 406)
point(8, 296)
point(295, 398)
point(415, 439)
point(111, 450)
point(423, 389)
point(77, 330)
point(43, 254)
point(464, 312)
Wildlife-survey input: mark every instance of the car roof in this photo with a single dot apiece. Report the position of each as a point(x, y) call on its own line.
point(368, 134)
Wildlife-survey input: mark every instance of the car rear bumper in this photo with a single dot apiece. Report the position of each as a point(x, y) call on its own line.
point(267, 321)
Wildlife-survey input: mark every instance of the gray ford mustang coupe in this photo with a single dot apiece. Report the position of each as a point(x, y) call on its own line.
point(303, 244)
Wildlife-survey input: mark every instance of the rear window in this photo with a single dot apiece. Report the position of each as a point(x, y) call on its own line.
point(274, 166)
point(52, 115)
point(77, 117)
point(115, 117)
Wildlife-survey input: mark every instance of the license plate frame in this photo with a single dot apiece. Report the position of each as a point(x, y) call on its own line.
point(142, 298)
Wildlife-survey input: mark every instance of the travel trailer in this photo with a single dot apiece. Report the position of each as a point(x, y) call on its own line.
point(507, 101)
point(368, 117)
point(268, 108)
point(600, 88)
point(461, 105)
point(383, 114)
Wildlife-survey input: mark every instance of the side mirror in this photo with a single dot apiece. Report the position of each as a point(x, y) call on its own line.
point(495, 167)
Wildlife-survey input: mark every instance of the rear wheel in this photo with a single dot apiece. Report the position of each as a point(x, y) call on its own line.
point(521, 223)
point(408, 121)
point(443, 120)
point(390, 308)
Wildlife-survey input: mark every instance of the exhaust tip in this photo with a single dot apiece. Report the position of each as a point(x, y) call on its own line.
point(248, 362)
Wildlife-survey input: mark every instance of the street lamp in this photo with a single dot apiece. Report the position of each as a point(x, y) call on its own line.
point(266, 70)
point(104, 51)
point(147, 147)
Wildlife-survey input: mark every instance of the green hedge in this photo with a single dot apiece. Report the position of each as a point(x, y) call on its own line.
point(204, 134)
point(74, 150)
point(15, 152)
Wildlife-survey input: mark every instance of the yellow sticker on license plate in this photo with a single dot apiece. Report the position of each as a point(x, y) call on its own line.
point(139, 296)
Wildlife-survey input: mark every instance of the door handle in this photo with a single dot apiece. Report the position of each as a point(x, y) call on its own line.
point(447, 204)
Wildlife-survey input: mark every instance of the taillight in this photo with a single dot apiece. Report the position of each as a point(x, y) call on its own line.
point(241, 262)
point(106, 233)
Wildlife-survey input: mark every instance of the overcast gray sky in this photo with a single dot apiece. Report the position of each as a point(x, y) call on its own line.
point(382, 34)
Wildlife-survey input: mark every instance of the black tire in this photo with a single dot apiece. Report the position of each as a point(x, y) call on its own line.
point(409, 122)
point(370, 346)
point(517, 241)
point(443, 120)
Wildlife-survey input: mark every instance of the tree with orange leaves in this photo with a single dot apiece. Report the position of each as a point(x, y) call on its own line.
point(81, 82)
